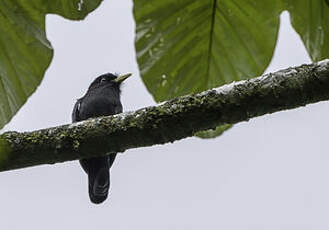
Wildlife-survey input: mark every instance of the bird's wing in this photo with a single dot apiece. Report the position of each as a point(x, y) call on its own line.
point(76, 111)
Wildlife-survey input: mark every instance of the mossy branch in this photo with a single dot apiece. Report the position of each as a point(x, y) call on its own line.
point(169, 121)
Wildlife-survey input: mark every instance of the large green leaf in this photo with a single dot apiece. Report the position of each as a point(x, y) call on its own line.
point(187, 46)
point(25, 52)
point(310, 18)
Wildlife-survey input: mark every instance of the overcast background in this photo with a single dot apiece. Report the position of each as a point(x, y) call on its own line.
point(269, 173)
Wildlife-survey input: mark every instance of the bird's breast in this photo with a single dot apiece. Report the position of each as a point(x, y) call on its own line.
point(100, 104)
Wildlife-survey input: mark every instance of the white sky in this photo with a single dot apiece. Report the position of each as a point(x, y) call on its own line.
point(268, 173)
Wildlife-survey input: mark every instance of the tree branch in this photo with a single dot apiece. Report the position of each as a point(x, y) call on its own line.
point(169, 121)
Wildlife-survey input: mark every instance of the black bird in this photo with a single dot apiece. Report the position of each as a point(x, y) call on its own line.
point(102, 99)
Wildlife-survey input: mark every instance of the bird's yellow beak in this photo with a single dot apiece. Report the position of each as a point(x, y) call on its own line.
point(121, 78)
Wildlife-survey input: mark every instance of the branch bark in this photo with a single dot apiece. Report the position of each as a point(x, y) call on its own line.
point(169, 121)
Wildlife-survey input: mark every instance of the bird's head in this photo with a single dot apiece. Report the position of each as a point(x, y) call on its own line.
point(109, 80)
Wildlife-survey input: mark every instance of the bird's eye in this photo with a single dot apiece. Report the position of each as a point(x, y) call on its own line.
point(103, 79)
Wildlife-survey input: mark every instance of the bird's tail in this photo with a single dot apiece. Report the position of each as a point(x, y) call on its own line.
point(98, 170)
